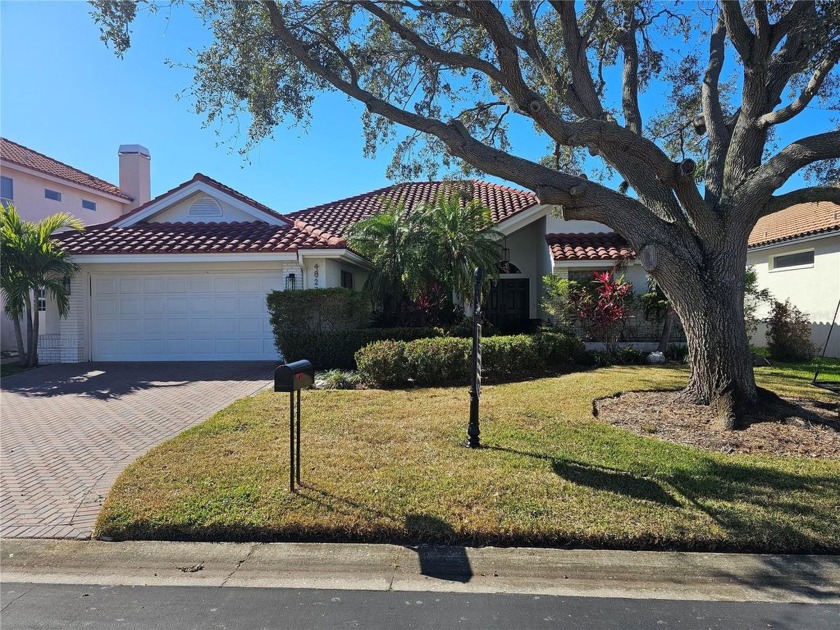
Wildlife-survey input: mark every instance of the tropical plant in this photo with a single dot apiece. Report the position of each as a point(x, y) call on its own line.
point(31, 262)
point(387, 240)
point(423, 258)
point(602, 306)
point(458, 236)
point(556, 304)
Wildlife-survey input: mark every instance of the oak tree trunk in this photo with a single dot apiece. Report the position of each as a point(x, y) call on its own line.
point(710, 304)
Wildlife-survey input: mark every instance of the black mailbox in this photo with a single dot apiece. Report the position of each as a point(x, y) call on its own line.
point(294, 377)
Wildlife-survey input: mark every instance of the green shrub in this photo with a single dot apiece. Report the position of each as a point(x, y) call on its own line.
point(442, 361)
point(559, 349)
point(447, 360)
point(383, 364)
point(337, 349)
point(318, 310)
point(789, 334)
point(510, 356)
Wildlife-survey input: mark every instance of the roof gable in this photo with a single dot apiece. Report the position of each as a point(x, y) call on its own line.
point(175, 205)
point(17, 154)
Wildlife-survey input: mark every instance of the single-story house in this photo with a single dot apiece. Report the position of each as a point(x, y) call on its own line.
point(184, 276)
point(796, 255)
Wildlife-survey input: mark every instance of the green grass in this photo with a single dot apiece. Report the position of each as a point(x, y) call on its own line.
point(389, 466)
point(801, 371)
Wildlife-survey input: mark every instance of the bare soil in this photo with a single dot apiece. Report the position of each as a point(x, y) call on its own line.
point(793, 427)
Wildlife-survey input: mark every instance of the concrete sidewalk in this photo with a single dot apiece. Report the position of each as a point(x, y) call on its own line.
point(627, 574)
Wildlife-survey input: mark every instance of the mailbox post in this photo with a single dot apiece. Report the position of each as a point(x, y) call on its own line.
point(292, 378)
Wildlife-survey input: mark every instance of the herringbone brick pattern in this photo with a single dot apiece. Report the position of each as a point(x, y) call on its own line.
point(67, 431)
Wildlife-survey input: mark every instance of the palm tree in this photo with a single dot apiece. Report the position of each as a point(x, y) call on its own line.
point(387, 239)
point(429, 251)
point(458, 237)
point(31, 261)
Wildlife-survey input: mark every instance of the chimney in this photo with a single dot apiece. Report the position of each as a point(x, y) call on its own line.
point(135, 173)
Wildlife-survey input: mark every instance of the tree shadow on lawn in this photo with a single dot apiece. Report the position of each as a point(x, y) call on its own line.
point(603, 478)
point(752, 503)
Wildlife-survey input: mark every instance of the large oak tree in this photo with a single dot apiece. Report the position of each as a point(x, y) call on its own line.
point(697, 174)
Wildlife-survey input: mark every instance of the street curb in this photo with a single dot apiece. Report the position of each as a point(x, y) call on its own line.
point(592, 573)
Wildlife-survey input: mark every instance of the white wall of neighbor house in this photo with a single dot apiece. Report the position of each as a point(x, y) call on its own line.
point(813, 288)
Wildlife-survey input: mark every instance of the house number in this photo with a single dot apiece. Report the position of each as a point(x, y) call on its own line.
point(315, 274)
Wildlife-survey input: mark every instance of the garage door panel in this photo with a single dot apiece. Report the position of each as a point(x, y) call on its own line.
point(128, 306)
point(153, 306)
point(154, 284)
point(176, 284)
point(200, 284)
point(225, 305)
point(178, 305)
point(223, 284)
point(129, 286)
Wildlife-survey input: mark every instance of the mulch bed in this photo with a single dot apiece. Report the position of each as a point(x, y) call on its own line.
point(801, 428)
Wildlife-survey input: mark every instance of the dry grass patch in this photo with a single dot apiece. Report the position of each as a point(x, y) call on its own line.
point(390, 466)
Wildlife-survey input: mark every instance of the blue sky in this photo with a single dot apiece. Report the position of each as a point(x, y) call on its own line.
point(63, 93)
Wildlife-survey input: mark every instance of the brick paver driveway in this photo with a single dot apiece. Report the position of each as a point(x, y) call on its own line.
point(67, 431)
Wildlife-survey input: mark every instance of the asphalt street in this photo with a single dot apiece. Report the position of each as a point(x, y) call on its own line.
point(67, 607)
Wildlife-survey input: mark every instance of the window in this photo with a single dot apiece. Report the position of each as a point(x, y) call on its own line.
point(42, 300)
point(346, 280)
point(7, 188)
point(52, 194)
point(89, 205)
point(798, 259)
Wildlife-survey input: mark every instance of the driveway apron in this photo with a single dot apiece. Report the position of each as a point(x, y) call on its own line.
point(67, 431)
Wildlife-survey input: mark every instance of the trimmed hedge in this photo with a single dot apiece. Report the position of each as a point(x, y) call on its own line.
point(336, 349)
point(446, 360)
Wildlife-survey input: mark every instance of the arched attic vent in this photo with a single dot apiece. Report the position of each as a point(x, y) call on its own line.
point(205, 207)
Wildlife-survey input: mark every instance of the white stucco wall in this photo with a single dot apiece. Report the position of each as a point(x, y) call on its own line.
point(813, 289)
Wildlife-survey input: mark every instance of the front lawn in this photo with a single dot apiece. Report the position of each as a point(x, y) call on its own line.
point(389, 466)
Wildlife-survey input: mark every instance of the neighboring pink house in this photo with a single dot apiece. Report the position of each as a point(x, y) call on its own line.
point(40, 186)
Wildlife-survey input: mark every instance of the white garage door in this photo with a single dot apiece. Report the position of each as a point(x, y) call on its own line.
point(182, 317)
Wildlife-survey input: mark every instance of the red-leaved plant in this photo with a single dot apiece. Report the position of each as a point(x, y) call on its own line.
point(602, 306)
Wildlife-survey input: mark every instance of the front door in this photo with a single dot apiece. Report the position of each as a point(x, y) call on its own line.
point(507, 305)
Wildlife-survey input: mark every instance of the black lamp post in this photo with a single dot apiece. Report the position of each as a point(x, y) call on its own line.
point(290, 282)
point(473, 429)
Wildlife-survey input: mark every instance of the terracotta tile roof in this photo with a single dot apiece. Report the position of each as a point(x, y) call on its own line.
point(23, 156)
point(337, 216)
point(794, 222)
point(194, 238)
point(589, 246)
